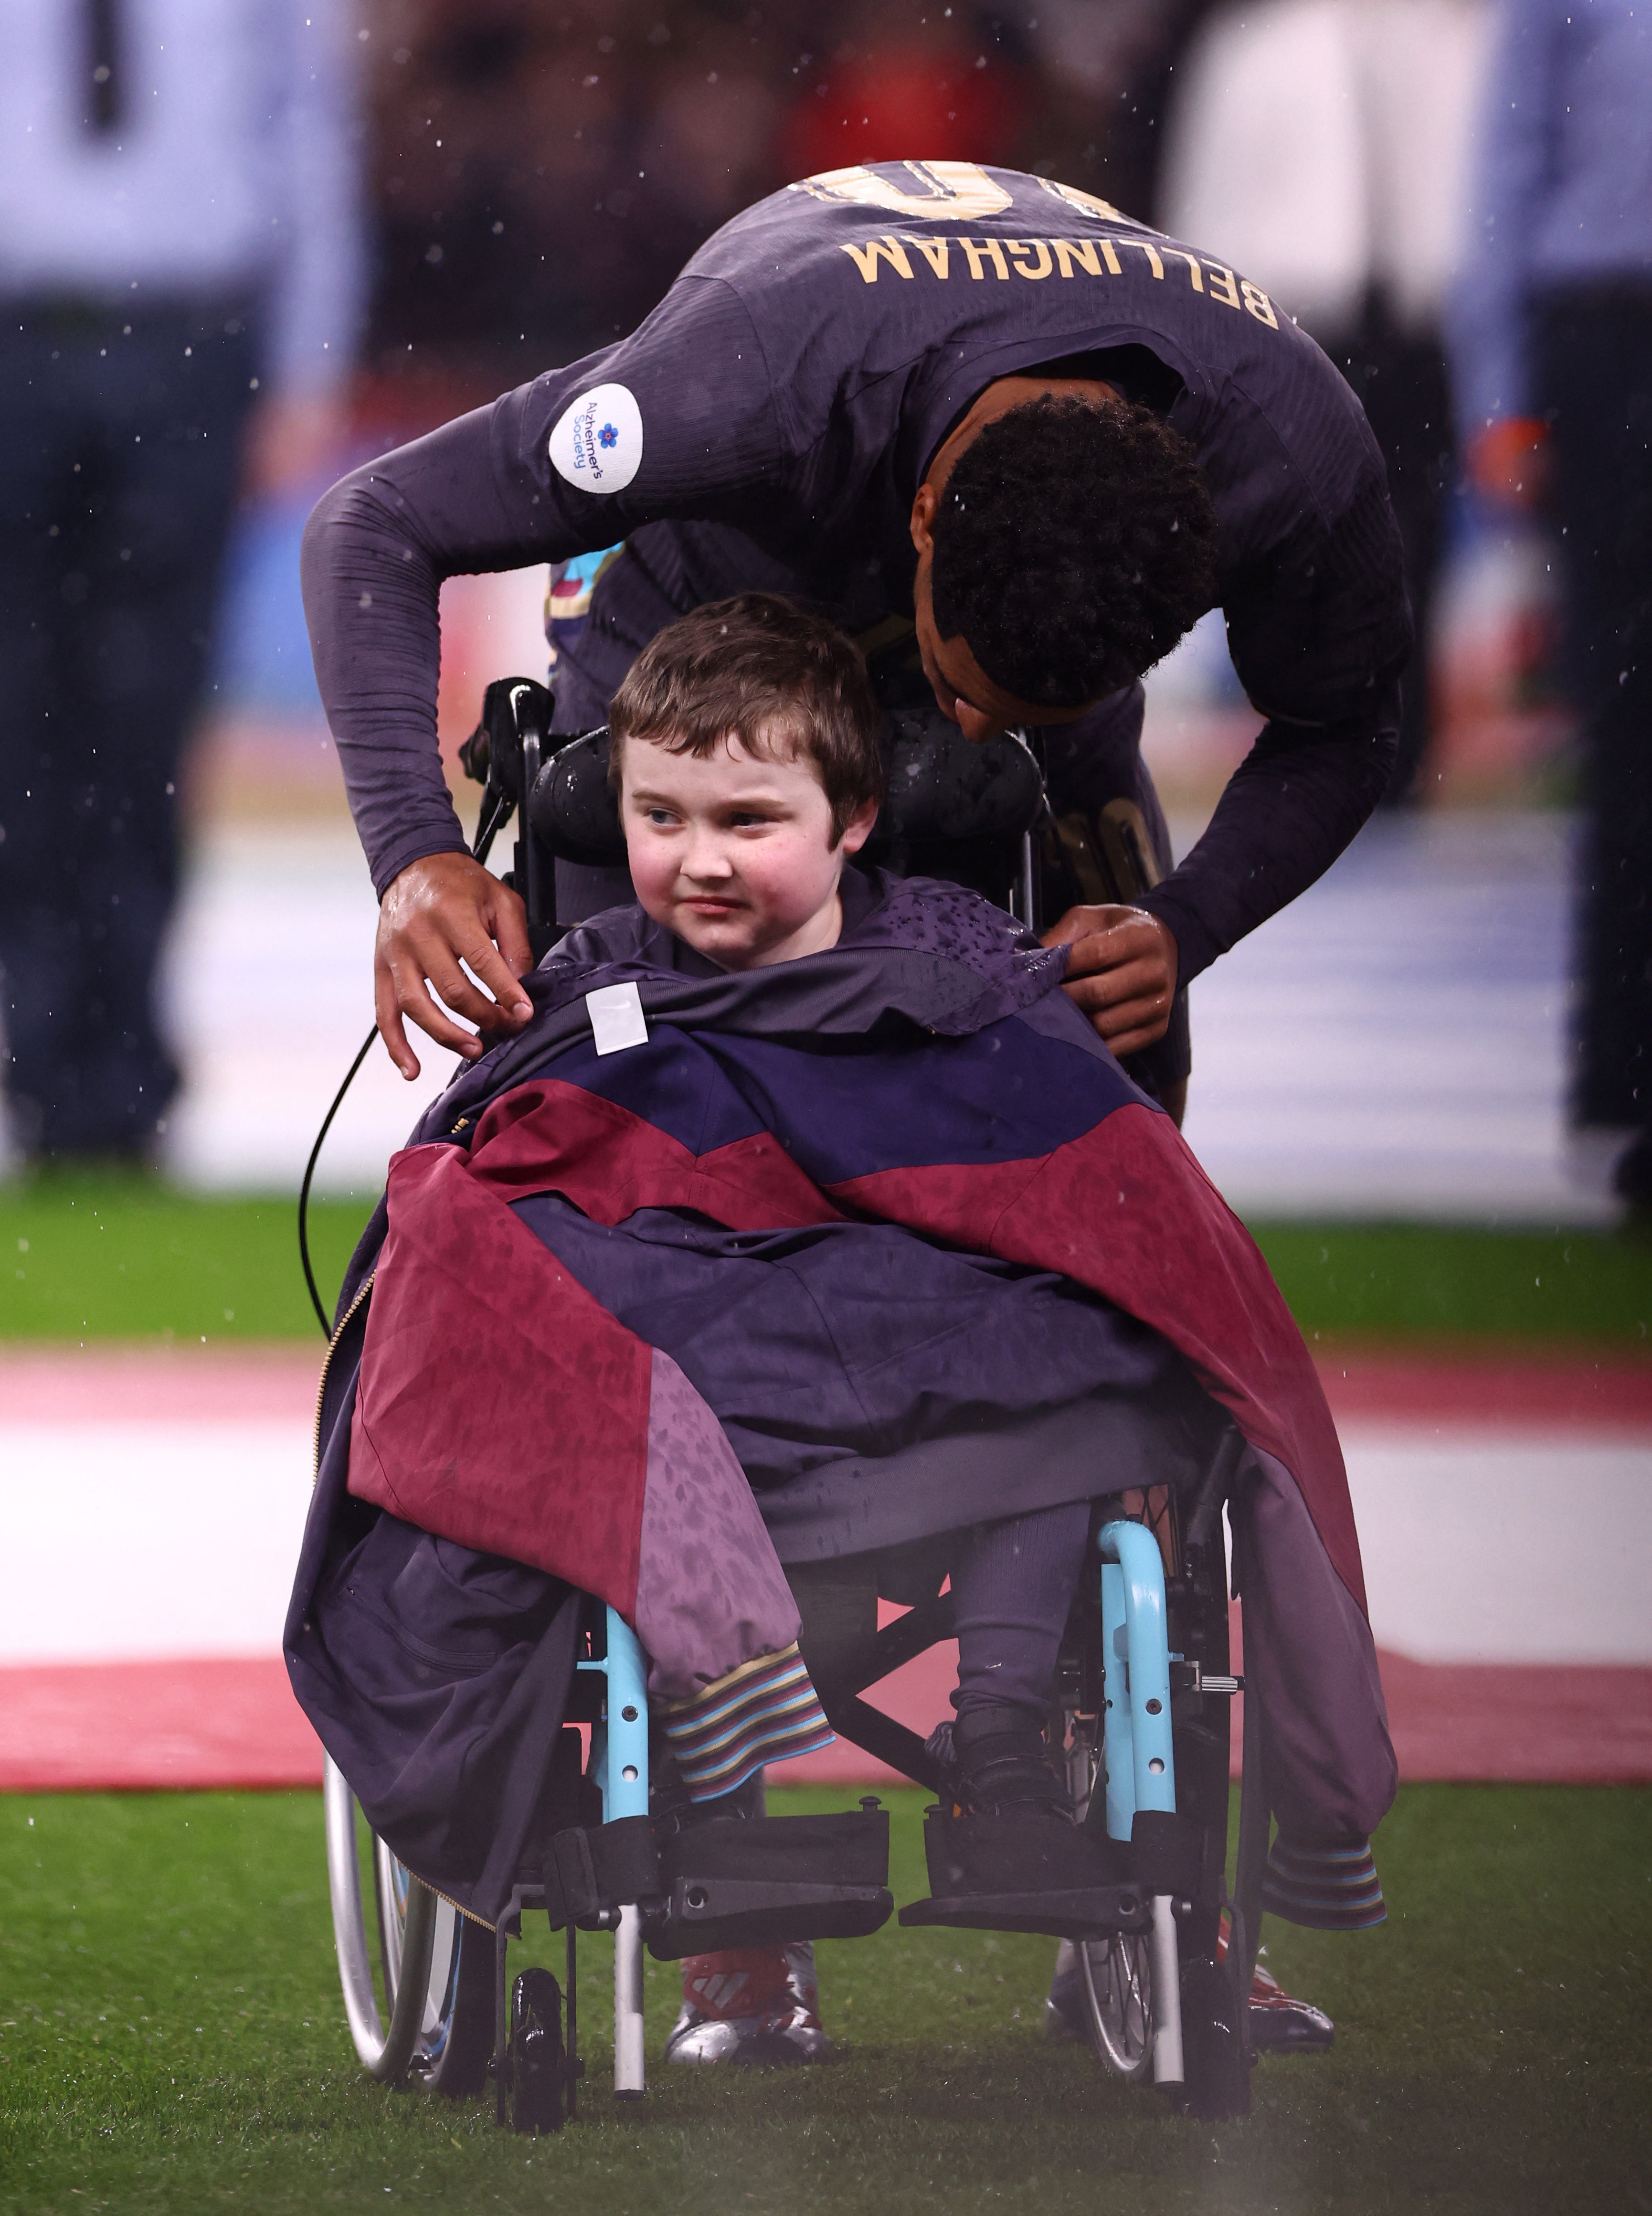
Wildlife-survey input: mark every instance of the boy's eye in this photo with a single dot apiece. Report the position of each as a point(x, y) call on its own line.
point(744, 818)
point(661, 817)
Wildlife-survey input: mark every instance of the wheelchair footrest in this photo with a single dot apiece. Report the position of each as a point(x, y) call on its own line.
point(766, 1880)
point(1087, 1912)
point(589, 1874)
point(705, 1915)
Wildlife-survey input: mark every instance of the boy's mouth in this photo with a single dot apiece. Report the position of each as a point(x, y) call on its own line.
point(710, 904)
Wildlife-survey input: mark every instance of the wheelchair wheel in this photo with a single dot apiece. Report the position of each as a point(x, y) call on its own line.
point(1118, 1983)
point(437, 1965)
point(1116, 1975)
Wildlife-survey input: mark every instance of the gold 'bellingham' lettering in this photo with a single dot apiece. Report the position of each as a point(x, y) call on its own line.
point(866, 258)
point(935, 251)
point(1082, 252)
point(986, 250)
point(1222, 286)
point(1037, 258)
point(1041, 268)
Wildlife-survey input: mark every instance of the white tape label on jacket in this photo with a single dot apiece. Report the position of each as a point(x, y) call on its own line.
point(616, 1017)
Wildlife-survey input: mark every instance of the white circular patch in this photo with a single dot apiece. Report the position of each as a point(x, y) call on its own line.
point(598, 441)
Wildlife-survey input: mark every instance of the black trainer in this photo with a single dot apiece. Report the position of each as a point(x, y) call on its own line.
point(1007, 1855)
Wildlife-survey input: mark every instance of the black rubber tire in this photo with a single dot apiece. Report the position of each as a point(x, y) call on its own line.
point(1117, 1978)
point(453, 2054)
point(460, 2071)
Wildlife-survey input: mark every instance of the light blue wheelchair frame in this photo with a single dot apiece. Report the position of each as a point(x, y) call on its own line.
point(619, 1761)
point(1138, 1762)
point(1138, 1758)
point(1140, 1769)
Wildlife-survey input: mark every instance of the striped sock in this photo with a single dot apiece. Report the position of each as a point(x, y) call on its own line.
point(764, 1711)
point(1327, 1888)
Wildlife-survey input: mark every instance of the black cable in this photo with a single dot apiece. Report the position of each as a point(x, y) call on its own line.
point(494, 818)
point(493, 815)
point(309, 1171)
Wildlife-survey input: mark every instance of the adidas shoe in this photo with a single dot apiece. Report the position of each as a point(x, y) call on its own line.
point(750, 2004)
point(1280, 2023)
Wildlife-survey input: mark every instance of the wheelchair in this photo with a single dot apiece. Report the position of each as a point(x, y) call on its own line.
point(1142, 1699)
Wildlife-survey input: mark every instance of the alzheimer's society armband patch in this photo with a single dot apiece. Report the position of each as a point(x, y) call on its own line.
point(616, 1017)
point(598, 441)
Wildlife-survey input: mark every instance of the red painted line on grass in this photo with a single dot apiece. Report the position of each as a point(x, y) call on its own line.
point(233, 1724)
point(1492, 1390)
point(160, 1385)
point(195, 1725)
point(1495, 1389)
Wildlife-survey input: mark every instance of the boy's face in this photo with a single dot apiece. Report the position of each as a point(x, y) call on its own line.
point(734, 852)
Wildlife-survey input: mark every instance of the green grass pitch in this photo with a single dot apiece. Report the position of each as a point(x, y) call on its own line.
point(172, 2039)
point(83, 1260)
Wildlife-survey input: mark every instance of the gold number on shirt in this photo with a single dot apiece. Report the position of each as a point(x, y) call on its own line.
point(1086, 203)
point(954, 191)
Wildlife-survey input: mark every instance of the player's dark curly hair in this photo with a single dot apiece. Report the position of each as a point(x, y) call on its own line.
point(1074, 545)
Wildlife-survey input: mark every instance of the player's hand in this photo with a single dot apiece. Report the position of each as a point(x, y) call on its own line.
point(1122, 972)
point(441, 912)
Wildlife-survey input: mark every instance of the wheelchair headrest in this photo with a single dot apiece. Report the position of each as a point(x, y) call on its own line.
point(572, 809)
point(941, 790)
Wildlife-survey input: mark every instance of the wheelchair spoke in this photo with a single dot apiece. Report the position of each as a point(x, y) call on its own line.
point(1119, 1988)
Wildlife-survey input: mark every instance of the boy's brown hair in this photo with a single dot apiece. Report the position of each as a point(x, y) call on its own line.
point(760, 668)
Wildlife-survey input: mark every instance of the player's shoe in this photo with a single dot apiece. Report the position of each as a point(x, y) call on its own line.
point(750, 2004)
point(1280, 2023)
point(1063, 2004)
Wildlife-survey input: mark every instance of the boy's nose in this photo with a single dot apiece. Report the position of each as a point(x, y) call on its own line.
point(705, 857)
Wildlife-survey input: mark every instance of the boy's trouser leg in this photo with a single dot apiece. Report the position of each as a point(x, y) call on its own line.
point(1012, 1586)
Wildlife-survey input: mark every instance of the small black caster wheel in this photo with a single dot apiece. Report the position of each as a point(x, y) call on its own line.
point(537, 2063)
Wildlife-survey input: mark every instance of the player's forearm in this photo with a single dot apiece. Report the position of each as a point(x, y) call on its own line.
point(372, 606)
point(1290, 809)
point(376, 550)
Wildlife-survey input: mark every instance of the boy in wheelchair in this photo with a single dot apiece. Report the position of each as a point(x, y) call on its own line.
point(806, 1222)
point(743, 791)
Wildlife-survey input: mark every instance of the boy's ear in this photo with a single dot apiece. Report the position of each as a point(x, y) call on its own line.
point(858, 829)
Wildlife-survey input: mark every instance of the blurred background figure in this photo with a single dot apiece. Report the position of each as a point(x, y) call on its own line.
point(542, 173)
point(537, 174)
point(182, 269)
point(1321, 145)
point(1553, 346)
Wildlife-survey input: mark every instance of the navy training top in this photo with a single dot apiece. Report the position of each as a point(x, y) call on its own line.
point(769, 422)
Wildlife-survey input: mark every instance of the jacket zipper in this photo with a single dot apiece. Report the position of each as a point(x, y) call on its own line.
point(327, 1363)
point(458, 1906)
